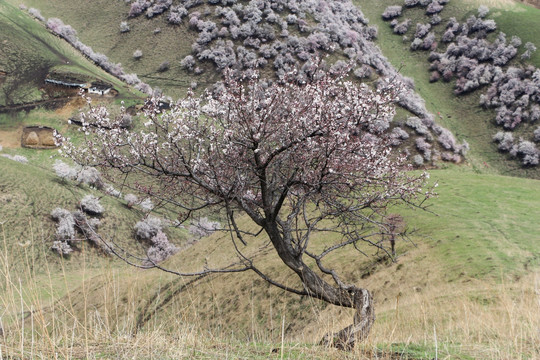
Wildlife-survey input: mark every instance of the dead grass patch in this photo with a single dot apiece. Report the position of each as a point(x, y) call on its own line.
point(11, 139)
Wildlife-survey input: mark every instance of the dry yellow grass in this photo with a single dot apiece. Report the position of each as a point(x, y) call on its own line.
point(11, 139)
point(483, 319)
point(422, 310)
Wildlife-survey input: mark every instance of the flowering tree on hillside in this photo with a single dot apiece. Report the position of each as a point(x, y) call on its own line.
point(297, 159)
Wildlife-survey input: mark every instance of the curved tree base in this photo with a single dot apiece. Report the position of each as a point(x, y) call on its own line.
point(364, 318)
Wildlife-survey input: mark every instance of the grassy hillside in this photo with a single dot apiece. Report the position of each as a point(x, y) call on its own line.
point(465, 252)
point(98, 25)
point(461, 114)
point(29, 53)
point(29, 192)
point(470, 276)
point(465, 287)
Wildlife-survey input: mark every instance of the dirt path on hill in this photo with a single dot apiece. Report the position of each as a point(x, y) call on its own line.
point(535, 3)
point(505, 4)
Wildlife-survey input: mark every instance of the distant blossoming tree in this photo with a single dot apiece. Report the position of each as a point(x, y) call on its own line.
point(296, 159)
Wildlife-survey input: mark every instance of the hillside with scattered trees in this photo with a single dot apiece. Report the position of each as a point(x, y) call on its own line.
point(269, 179)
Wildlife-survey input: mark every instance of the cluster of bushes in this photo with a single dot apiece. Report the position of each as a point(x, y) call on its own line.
point(473, 62)
point(84, 222)
point(137, 54)
point(149, 8)
point(67, 32)
point(124, 27)
point(286, 35)
point(515, 96)
point(524, 150)
point(85, 175)
point(90, 176)
point(261, 28)
point(150, 230)
point(422, 38)
point(427, 132)
point(146, 204)
point(34, 13)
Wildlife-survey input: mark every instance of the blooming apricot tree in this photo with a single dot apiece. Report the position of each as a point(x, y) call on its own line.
point(296, 159)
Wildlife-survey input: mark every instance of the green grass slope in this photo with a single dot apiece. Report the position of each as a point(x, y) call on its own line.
point(29, 52)
point(461, 114)
point(28, 194)
point(467, 289)
point(471, 277)
point(98, 25)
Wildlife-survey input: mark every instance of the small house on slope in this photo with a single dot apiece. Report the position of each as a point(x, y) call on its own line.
point(99, 88)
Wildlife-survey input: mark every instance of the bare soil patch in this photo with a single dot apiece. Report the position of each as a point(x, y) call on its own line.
point(76, 104)
point(11, 139)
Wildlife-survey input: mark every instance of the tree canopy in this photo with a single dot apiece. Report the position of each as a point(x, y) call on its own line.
point(296, 158)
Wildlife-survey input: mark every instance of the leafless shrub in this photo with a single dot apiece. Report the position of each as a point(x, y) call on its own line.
point(505, 140)
point(124, 27)
point(483, 10)
point(530, 48)
point(434, 8)
point(398, 135)
point(125, 121)
point(164, 66)
point(537, 134)
point(90, 176)
point(147, 205)
point(91, 205)
point(421, 30)
point(131, 199)
point(527, 152)
point(418, 160)
point(402, 27)
point(64, 171)
point(392, 12)
point(137, 54)
point(203, 227)
point(62, 248)
point(160, 250)
point(147, 228)
point(411, 3)
point(36, 13)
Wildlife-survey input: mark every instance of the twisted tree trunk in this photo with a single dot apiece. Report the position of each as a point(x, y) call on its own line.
point(363, 320)
point(346, 296)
